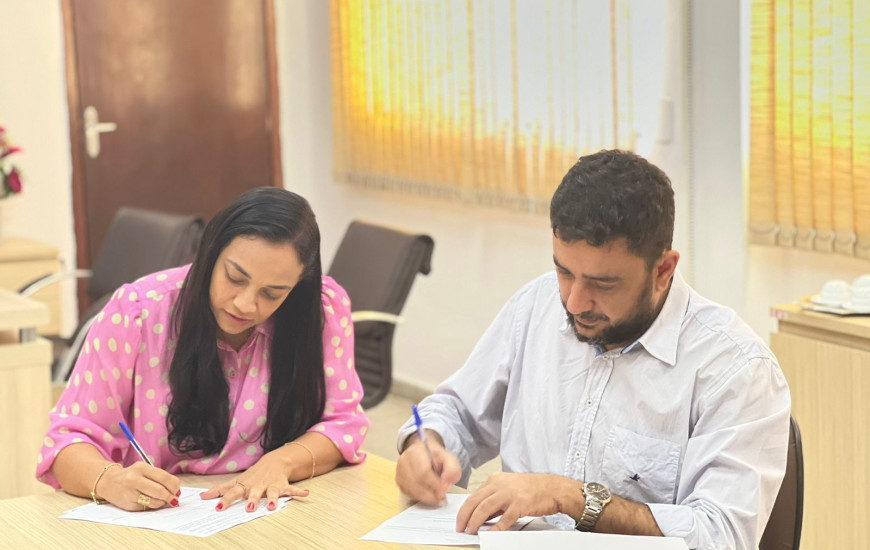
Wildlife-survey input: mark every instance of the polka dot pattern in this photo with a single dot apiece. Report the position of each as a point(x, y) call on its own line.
point(122, 375)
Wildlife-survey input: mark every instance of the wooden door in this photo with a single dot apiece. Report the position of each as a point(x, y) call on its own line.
point(191, 86)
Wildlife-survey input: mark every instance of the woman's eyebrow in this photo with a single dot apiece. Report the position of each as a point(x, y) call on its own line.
point(245, 273)
point(241, 270)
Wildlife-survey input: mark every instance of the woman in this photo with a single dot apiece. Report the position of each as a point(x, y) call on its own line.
point(239, 363)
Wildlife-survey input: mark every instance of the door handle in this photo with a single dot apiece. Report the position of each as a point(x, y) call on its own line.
point(93, 129)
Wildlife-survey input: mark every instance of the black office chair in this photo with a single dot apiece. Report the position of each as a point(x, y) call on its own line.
point(377, 265)
point(783, 531)
point(138, 242)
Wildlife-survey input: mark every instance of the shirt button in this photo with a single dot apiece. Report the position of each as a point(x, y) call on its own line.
point(588, 402)
point(577, 455)
point(232, 373)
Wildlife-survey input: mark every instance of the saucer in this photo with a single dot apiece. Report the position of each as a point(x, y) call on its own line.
point(848, 306)
point(817, 299)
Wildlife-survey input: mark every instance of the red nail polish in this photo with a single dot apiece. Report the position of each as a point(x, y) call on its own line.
point(219, 507)
point(174, 502)
point(178, 494)
point(251, 507)
point(272, 505)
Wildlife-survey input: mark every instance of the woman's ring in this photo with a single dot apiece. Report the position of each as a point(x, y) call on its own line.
point(144, 500)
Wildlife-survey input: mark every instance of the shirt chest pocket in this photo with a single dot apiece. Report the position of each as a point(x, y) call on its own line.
point(640, 468)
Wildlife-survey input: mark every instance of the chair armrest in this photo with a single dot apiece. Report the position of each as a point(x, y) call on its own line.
point(66, 364)
point(48, 280)
point(362, 316)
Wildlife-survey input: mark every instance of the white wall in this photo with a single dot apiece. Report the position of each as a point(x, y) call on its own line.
point(33, 107)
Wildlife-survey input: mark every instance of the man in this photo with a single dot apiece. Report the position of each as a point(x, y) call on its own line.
point(668, 402)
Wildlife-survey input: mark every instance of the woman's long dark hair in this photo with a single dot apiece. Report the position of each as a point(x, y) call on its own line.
point(198, 419)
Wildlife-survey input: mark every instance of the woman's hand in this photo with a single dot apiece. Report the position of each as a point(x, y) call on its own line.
point(267, 478)
point(139, 487)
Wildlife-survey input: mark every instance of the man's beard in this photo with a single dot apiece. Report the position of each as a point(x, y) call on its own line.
point(623, 332)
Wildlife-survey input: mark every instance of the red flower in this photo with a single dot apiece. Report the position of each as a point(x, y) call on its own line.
point(14, 181)
point(9, 151)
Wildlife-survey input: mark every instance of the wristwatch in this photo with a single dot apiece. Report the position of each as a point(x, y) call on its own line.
point(597, 497)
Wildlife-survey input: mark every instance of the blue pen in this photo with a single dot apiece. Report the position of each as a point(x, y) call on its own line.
point(135, 444)
point(422, 435)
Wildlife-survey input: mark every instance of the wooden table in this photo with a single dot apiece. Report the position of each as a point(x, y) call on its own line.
point(24, 260)
point(343, 505)
point(826, 360)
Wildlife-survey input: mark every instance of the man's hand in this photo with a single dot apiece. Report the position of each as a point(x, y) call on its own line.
point(415, 475)
point(516, 495)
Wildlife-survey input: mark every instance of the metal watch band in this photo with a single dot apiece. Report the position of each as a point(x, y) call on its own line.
point(593, 510)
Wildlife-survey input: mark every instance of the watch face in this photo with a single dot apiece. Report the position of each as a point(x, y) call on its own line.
point(597, 490)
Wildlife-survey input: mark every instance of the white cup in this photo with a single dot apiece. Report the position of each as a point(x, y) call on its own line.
point(861, 283)
point(860, 293)
point(836, 292)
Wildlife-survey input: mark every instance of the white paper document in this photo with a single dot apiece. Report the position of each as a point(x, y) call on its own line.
point(422, 524)
point(575, 540)
point(193, 516)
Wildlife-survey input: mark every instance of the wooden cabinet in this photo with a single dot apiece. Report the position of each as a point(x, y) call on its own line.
point(826, 360)
point(25, 361)
point(24, 260)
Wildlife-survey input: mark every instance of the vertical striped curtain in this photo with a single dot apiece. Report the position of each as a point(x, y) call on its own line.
point(485, 101)
point(810, 125)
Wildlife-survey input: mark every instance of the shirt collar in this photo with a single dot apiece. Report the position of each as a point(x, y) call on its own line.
point(261, 331)
point(662, 337)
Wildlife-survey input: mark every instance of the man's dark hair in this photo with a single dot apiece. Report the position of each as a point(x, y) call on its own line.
point(613, 194)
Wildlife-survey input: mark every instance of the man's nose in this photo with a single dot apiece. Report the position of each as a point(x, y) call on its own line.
point(578, 299)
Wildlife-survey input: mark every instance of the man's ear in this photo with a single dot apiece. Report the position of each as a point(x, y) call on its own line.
point(664, 269)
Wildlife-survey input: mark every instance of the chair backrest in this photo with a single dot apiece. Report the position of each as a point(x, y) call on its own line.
point(783, 531)
point(377, 265)
point(140, 242)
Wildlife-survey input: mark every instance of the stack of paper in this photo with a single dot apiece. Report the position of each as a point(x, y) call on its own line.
point(193, 516)
point(422, 524)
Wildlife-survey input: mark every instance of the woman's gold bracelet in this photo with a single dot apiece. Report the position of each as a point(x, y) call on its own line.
point(313, 463)
point(98, 500)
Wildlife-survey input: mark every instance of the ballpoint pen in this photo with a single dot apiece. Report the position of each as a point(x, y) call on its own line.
point(422, 435)
point(135, 444)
